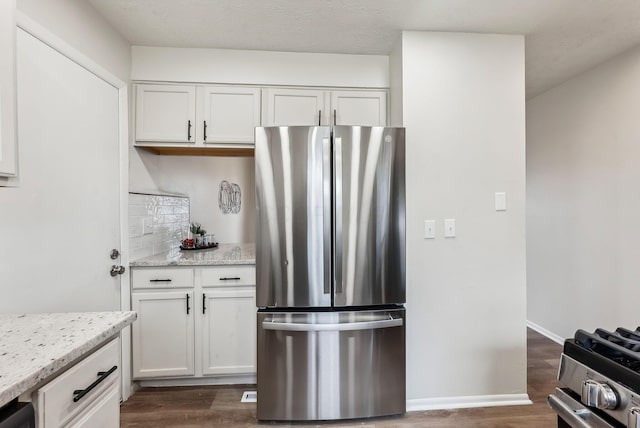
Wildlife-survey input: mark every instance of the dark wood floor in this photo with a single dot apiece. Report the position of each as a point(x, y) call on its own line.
point(191, 407)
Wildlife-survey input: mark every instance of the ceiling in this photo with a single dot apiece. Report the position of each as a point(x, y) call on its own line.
point(562, 37)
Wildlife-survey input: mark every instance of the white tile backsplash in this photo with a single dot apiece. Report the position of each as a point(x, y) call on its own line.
point(165, 218)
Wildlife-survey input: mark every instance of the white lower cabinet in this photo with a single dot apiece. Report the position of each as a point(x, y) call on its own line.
point(163, 335)
point(229, 331)
point(206, 327)
point(86, 395)
point(105, 413)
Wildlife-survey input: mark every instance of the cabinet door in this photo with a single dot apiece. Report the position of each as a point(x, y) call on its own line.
point(163, 334)
point(230, 114)
point(165, 113)
point(55, 401)
point(229, 331)
point(104, 413)
point(291, 107)
point(359, 108)
point(7, 88)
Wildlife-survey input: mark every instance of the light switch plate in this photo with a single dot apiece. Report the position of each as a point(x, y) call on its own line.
point(501, 201)
point(429, 229)
point(450, 228)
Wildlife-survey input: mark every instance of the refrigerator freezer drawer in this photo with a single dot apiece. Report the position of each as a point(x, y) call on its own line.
point(331, 365)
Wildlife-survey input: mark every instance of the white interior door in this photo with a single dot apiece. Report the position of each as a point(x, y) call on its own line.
point(60, 223)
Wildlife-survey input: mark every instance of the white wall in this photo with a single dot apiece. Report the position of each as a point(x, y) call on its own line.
point(199, 178)
point(395, 84)
point(80, 25)
point(464, 113)
point(259, 67)
point(583, 170)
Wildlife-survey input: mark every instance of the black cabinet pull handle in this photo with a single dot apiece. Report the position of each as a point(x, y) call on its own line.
point(188, 307)
point(319, 117)
point(204, 303)
point(229, 278)
point(334, 118)
point(159, 280)
point(79, 393)
point(189, 130)
point(205, 130)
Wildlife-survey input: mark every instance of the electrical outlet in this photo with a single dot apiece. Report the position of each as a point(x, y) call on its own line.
point(135, 229)
point(147, 225)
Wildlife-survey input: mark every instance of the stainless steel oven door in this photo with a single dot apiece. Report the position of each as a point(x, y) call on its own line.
point(573, 413)
point(330, 365)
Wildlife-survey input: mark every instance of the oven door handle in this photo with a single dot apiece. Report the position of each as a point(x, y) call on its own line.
point(574, 413)
point(348, 326)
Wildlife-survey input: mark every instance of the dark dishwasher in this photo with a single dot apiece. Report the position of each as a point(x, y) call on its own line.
point(17, 415)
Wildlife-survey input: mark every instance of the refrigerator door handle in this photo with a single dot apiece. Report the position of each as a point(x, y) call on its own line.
point(365, 325)
point(326, 171)
point(337, 215)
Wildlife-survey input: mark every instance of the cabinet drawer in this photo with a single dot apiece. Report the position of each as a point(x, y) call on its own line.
point(162, 278)
point(229, 276)
point(55, 400)
point(105, 412)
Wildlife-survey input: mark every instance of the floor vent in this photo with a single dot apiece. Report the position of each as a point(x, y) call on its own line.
point(249, 397)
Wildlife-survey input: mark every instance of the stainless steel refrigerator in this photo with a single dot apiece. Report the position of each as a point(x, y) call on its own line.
point(330, 272)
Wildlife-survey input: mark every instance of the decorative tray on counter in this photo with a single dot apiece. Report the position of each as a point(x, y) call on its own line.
point(199, 247)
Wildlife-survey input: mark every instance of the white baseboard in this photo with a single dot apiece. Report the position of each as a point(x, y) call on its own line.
point(419, 404)
point(222, 380)
point(543, 331)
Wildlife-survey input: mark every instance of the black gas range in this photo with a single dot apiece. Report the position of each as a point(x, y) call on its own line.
point(600, 377)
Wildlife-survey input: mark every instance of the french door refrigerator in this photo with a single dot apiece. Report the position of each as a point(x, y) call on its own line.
point(330, 272)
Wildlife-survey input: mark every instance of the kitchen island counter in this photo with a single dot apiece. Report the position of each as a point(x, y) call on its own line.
point(36, 347)
point(224, 254)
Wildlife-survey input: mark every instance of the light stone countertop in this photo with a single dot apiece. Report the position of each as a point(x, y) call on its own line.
point(33, 347)
point(224, 254)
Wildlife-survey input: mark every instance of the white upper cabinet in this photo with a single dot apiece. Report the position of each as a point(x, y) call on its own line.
point(179, 114)
point(209, 119)
point(230, 114)
point(291, 107)
point(361, 108)
point(295, 107)
point(8, 146)
point(166, 113)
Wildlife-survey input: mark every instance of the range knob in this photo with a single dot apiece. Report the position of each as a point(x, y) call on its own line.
point(598, 395)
